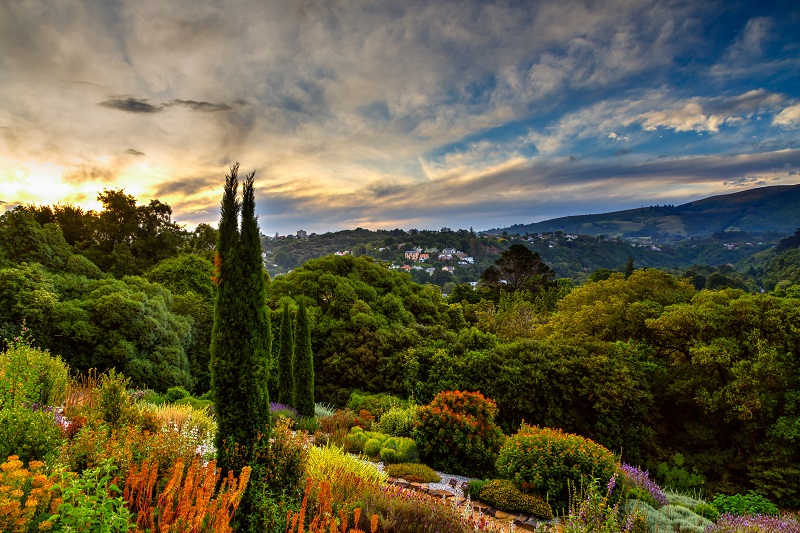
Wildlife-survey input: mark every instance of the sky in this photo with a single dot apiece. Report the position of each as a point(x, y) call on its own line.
point(397, 114)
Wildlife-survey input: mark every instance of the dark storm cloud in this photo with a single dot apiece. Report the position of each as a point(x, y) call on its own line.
point(131, 105)
point(133, 151)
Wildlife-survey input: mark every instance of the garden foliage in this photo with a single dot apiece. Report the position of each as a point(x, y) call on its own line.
point(505, 495)
point(456, 432)
point(551, 461)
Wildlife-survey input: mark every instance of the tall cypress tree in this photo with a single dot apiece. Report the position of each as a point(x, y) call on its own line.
point(286, 360)
point(304, 364)
point(241, 335)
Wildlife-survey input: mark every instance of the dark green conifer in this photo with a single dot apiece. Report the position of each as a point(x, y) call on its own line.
point(286, 360)
point(304, 364)
point(240, 337)
point(629, 267)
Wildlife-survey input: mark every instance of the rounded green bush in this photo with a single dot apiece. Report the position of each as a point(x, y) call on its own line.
point(551, 461)
point(505, 495)
point(372, 447)
point(744, 504)
point(414, 472)
point(354, 441)
point(390, 456)
point(31, 435)
point(31, 377)
point(398, 422)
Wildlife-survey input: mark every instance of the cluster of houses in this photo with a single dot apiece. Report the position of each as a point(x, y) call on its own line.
point(445, 255)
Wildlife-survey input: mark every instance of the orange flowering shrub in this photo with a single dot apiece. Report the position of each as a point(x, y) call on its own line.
point(549, 461)
point(188, 502)
point(25, 496)
point(456, 432)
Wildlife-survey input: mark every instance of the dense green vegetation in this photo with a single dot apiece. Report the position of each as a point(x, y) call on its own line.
point(690, 372)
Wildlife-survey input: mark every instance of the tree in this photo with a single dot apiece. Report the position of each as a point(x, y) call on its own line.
point(304, 364)
point(516, 269)
point(629, 267)
point(286, 360)
point(240, 338)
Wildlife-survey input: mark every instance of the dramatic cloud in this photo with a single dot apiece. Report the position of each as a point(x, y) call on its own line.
point(397, 114)
point(131, 105)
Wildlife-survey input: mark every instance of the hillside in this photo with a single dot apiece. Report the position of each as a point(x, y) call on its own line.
point(755, 211)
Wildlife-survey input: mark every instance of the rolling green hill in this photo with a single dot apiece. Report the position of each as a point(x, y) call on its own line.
point(755, 211)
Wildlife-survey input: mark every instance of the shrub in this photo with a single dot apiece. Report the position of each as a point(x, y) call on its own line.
point(280, 410)
point(174, 394)
point(30, 377)
point(25, 495)
point(669, 519)
point(125, 446)
point(399, 450)
point(355, 441)
point(113, 399)
point(729, 523)
point(198, 426)
point(307, 423)
point(677, 477)
point(505, 495)
point(643, 488)
point(744, 504)
point(91, 502)
point(322, 410)
point(456, 433)
point(375, 405)
point(474, 488)
point(706, 510)
point(591, 511)
point(333, 429)
point(549, 460)
point(398, 422)
point(197, 404)
point(185, 499)
point(30, 435)
point(414, 472)
point(277, 478)
point(372, 447)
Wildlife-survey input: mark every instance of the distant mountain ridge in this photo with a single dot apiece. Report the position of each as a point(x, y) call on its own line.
point(764, 209)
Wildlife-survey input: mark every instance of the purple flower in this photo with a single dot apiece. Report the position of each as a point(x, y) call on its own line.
point(611, 484)
point(641, 479)
point(728, 523)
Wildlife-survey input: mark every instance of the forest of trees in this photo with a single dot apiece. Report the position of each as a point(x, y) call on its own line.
point(700, 366)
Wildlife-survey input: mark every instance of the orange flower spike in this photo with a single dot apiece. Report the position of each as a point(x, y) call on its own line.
point(373, 524)
point(343, 520)
point(356, 517)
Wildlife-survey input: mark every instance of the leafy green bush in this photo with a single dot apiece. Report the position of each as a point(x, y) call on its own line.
point(89, 503)
point(354, 441)
point(375, 404)
point(675, 476)
point(307, 423)
point(744, 504)
point(706, 510)
point(505, 495)
point(31, 377)
point(196, 403)
point(31, 435)
point(399, 450)
point(414, 472)
point(174, 394)
point(549, 460)
point(474, 488)
point(456, 433)
point(113, 397)
point(638, 493)
point(372, 447)
point(276, 482)
point(379, 445)
point(398, 422)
